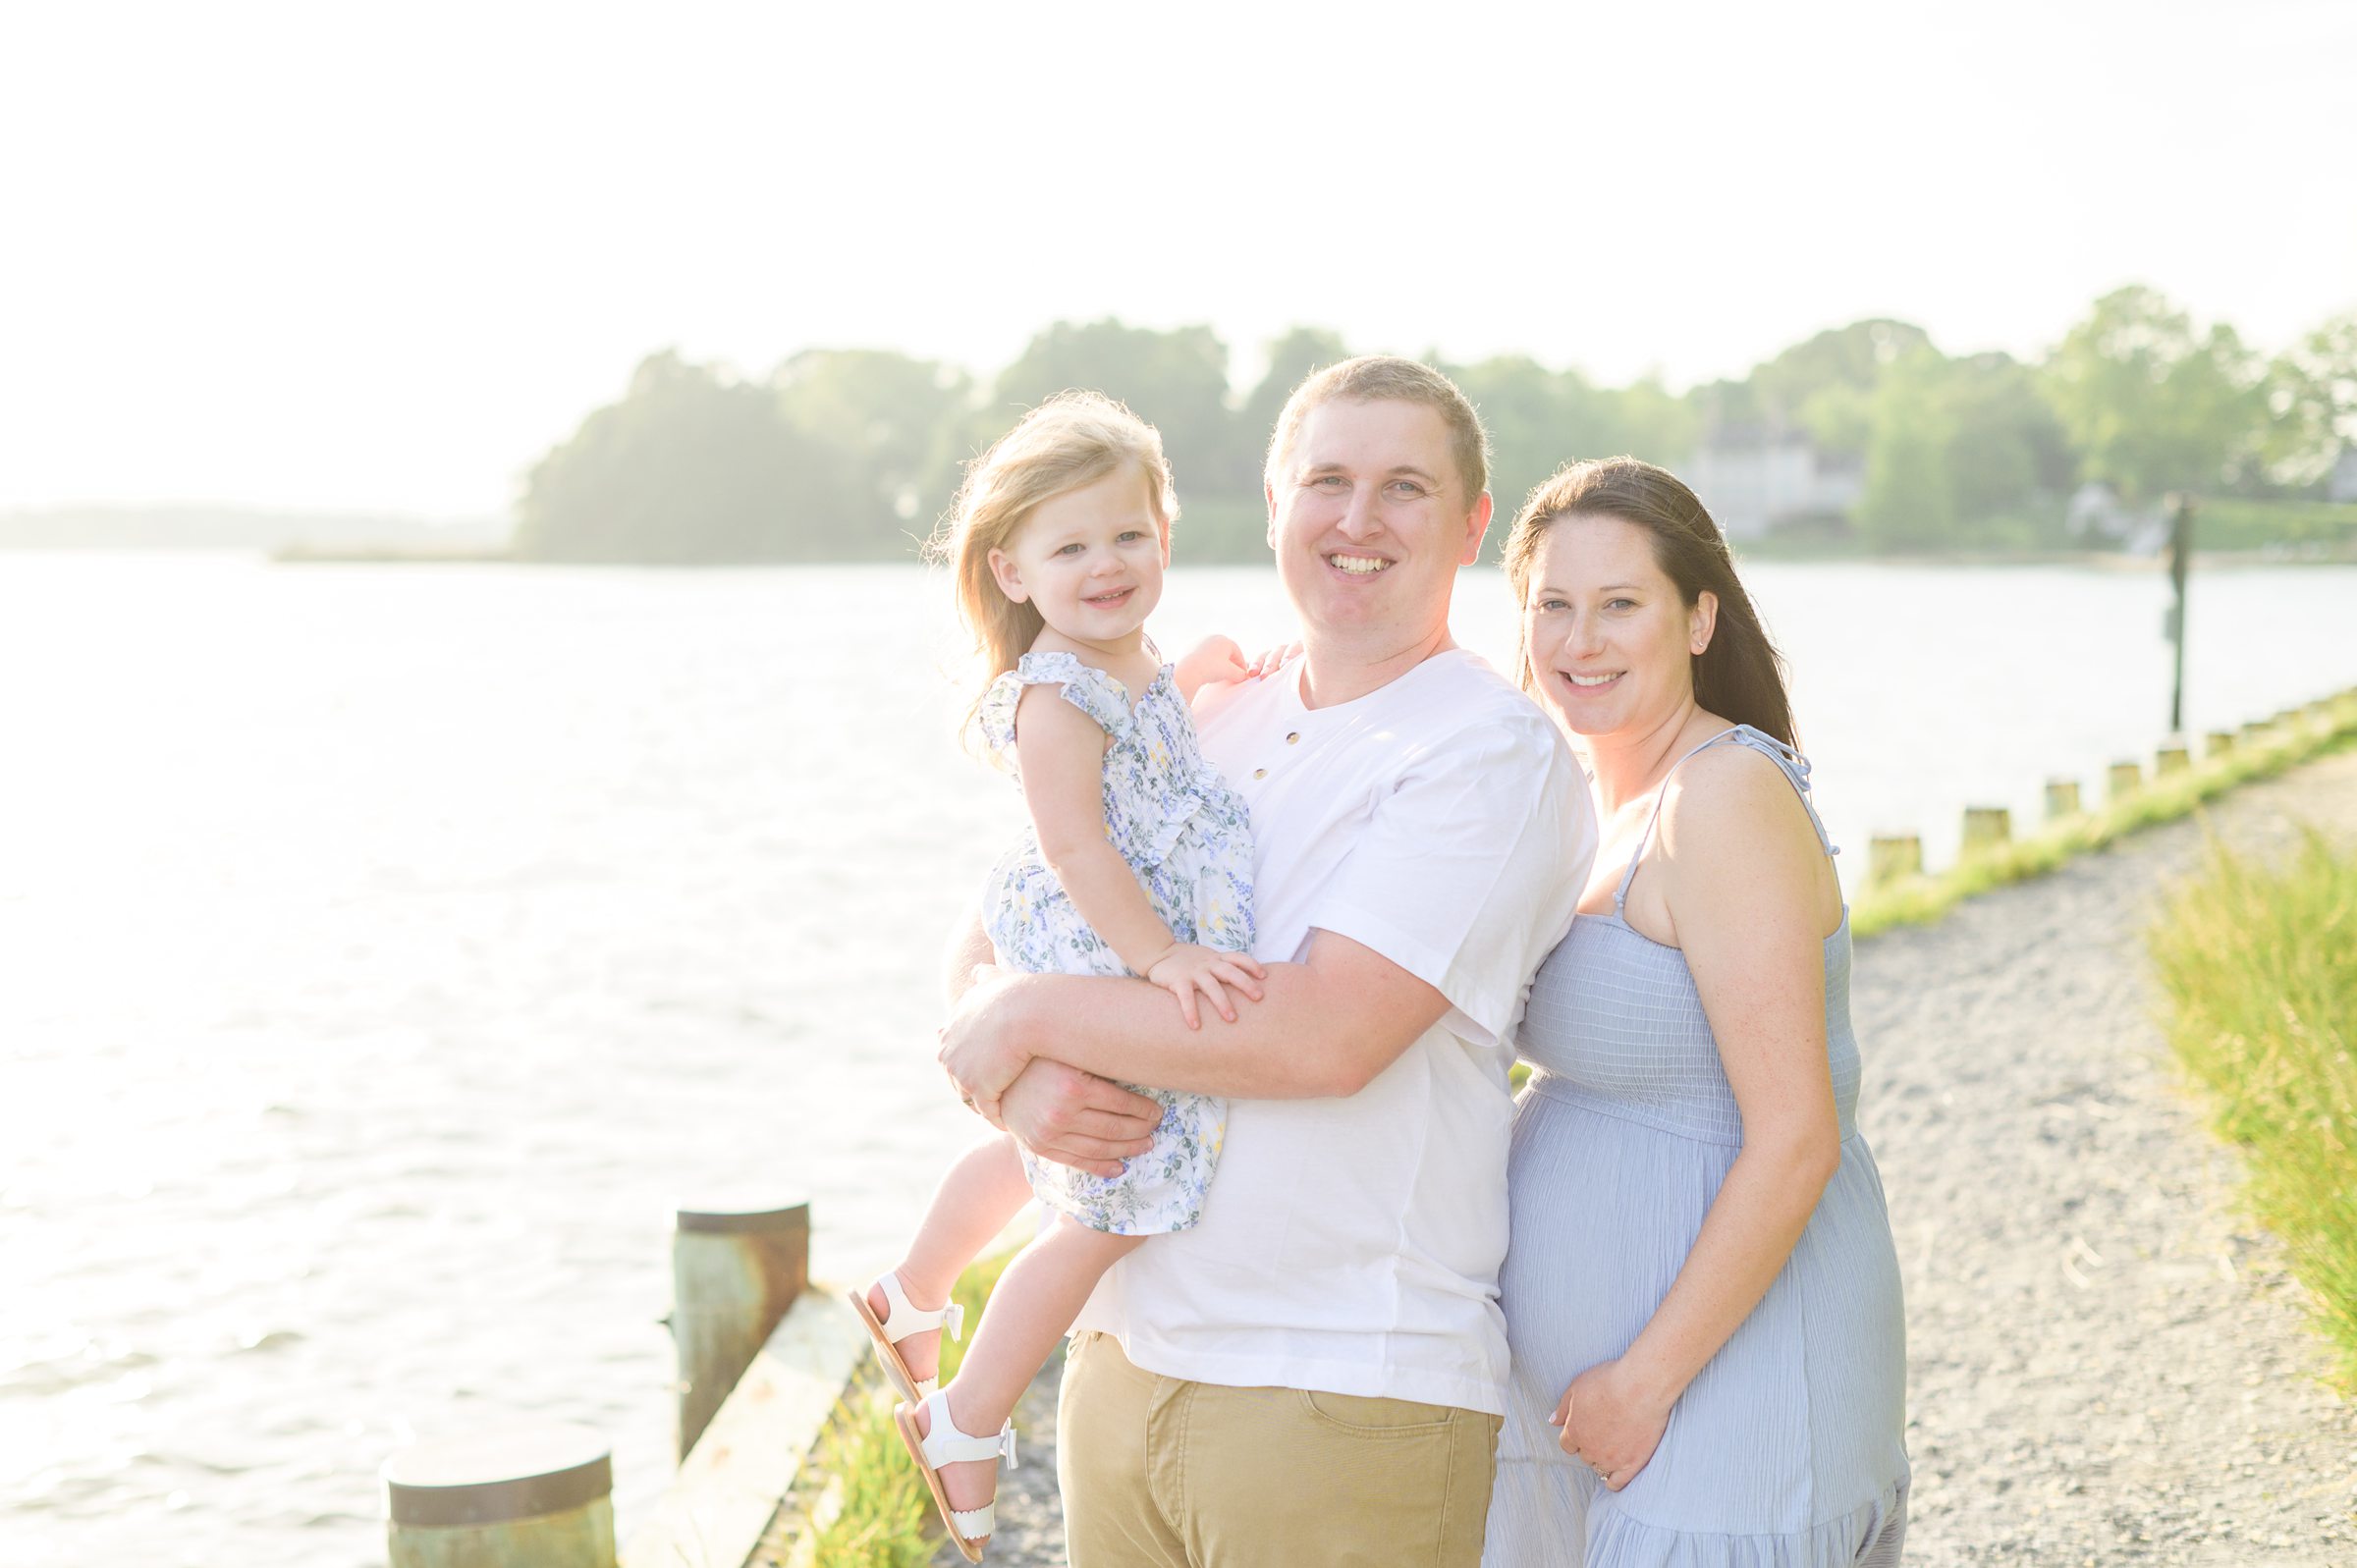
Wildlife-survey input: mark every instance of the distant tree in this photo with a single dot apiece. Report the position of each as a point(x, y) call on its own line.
point(691, 466)
point(1537, 420)
point(1653, 423)
point(895, 418)
point(1176, 381)
point(2310, 396)
point(1291, 359)
point(1960, 453)
point(2007, 453)
point(1910, 499)
point(1540, 419)
point(1850, 360)
point(2152, 404)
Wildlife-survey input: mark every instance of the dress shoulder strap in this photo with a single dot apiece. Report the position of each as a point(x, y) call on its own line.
point(1795, 765)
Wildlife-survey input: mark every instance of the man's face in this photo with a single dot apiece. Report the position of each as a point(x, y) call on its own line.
point(1370, 521)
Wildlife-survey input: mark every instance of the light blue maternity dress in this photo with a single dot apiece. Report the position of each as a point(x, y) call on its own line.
point(1787, 1452)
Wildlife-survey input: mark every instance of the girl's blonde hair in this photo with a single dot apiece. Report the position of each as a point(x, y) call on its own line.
point(1071, 440)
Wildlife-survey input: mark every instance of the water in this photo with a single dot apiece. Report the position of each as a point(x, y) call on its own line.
point(388, 949)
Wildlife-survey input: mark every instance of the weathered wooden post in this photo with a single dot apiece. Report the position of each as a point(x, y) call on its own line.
point(538, 1496)
point(1893, 857)
point(734, 1272)
point(2220, 744)
point(2061, 798)
point(2180, 565)
point(2170, 759)
point(2125, 779)
point(1986, 827)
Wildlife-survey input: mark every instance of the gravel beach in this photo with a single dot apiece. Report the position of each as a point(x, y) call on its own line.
point(2107, 1361)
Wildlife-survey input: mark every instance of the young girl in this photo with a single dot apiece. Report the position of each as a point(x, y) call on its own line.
point(1139, 861)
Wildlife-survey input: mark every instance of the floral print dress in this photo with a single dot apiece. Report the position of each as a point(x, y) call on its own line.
point(1187, 835)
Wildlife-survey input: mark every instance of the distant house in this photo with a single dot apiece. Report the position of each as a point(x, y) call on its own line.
point(2343, 485)
point(2097, 519)
point(1755, 480)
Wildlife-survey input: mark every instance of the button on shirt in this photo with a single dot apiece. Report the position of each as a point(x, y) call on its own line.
point(1353, 1245)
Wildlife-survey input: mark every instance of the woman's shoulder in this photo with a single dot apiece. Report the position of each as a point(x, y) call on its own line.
point(1730, 793)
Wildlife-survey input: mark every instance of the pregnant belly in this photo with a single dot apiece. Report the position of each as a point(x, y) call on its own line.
point(1603, 1213)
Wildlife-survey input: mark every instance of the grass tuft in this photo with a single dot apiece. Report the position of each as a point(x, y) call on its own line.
point(883, 1506)
point(2260, 968)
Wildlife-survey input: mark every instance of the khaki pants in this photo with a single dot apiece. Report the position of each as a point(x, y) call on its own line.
point(1162, 1473)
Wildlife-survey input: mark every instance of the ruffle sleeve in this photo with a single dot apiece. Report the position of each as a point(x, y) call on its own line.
point(1091, 689)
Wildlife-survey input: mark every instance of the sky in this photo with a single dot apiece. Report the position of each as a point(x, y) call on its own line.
point(381, 258)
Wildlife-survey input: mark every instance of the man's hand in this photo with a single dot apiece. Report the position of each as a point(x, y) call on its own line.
point(1078, 1118)
point(979, 1049)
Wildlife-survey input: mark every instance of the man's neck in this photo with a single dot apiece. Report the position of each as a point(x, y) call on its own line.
point(1337, 670)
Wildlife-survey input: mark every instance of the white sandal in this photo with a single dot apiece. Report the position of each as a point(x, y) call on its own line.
point(942, 1443)
point(900, 1321)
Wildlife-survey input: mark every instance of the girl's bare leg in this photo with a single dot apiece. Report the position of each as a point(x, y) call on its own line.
point(1032, 1305)
point(977, 1197)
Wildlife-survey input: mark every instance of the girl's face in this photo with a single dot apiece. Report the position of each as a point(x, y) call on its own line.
point(1612, 644)
point(1091, 560)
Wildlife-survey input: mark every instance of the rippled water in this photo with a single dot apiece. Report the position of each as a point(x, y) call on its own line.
point(387, 951)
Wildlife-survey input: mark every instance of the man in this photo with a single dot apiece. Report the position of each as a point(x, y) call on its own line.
point(1315, 1372)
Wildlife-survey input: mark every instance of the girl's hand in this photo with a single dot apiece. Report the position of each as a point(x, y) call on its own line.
point(1188, 967)
point(1271, 659)
point(1209, 663)
point(1609, 1424)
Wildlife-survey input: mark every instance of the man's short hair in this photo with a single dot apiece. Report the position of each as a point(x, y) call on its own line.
point(1386, 378)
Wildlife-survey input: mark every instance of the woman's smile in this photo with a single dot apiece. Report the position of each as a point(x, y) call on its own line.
point(1590, 684)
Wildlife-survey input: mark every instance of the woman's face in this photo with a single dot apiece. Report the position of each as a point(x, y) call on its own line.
point(1612, 644)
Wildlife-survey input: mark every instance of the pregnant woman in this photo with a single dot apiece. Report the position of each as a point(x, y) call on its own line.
point(1701, 1293)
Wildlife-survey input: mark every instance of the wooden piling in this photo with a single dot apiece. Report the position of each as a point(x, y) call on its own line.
point(2061, 798)
point(735, 1271)
point(1891, 858)
point(2170, 759)
point(1986, 827)
point(2126, 778)
point(2221, 742)
point(538, 1497)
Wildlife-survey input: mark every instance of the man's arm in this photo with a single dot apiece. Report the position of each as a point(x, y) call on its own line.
point(1326, 1026)
point(1077, 1118)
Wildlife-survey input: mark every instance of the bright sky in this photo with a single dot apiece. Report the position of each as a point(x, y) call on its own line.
point(382, 257)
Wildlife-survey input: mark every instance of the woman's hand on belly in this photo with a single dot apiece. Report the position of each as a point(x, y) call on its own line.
point(1609, 1424)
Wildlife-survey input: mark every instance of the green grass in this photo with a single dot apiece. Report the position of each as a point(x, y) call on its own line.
point(883, 1506)
point(2227, 522)
point(1921, 900)
point(2260, 968)
point(886, 1518)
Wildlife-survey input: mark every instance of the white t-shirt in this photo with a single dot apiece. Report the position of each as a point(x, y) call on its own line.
point(1353, 1245)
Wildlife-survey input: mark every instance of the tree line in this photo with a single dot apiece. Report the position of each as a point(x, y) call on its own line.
point(852, 453)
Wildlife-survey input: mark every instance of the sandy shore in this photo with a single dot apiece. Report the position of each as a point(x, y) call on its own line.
point(2106, 1362)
